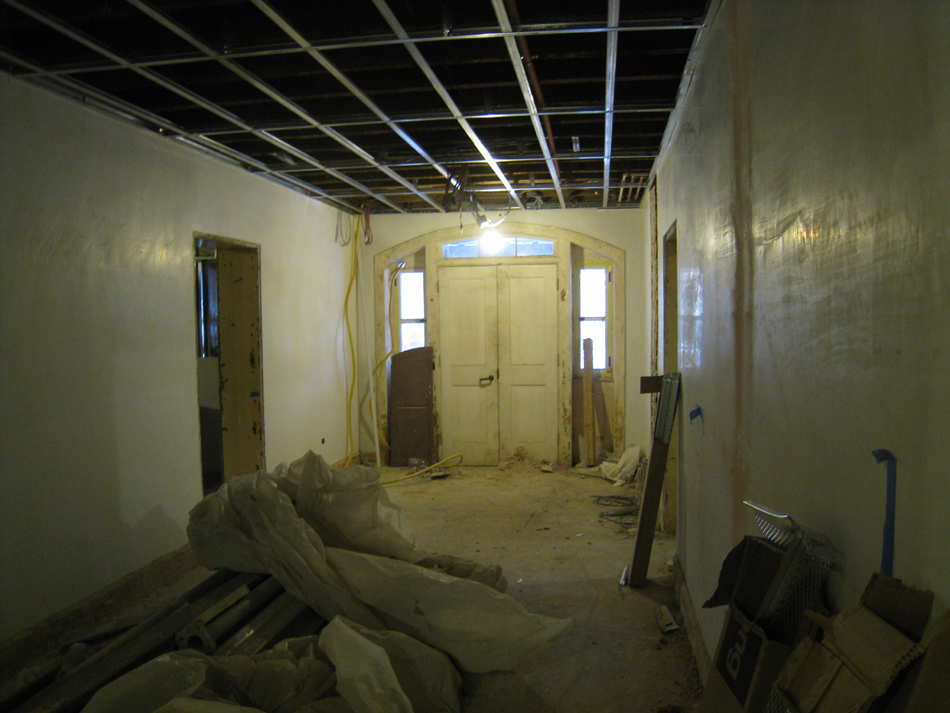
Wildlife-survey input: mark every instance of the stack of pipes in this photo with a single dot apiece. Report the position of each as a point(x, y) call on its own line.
point(228, 613)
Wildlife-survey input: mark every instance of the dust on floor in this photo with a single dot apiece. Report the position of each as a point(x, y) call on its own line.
point(560, 560)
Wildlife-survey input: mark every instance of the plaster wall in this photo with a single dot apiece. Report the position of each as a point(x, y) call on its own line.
point(99, 444)
point(804, 180)
point(626, 229)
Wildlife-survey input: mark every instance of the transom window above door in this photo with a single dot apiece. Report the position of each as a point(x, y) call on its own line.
point(491, 244)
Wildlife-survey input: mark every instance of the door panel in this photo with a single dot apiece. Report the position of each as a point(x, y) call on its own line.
point(527, 348)
point(239, 326)
point(499, 362)
point(468, 317)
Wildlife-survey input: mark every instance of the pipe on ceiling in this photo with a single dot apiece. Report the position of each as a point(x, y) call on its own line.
point(535, 83)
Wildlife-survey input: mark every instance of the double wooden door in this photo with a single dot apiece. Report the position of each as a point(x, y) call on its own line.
point(498, 356)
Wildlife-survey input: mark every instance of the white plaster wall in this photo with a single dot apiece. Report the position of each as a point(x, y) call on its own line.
point(99, 445)
point(627, 229)
point(805, 179)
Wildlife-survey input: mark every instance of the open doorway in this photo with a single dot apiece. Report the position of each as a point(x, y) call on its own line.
point(230, 371)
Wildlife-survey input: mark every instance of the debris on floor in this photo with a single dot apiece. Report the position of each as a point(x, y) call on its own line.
point(402, 623)
point(626, 469)
point(624, 509)
point(665, 620)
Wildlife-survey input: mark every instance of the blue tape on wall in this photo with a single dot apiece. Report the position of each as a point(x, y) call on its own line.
point(695, 413)
point(890, 509)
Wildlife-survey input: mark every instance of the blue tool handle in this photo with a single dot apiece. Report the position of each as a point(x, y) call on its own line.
point(890, 509)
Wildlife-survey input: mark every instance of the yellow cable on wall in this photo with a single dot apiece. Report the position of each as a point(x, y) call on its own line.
point(349, 335)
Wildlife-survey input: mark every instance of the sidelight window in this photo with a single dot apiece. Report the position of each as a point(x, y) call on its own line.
point(412, 310)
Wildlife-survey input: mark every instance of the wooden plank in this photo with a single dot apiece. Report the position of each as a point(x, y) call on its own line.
point(653, 489)
point(239, 325)
point(649, 509)
point(591, 455)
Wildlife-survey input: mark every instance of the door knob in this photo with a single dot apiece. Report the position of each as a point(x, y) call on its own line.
point(490, 378)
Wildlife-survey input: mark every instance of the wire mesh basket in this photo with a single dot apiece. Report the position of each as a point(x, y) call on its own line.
point(800, 581)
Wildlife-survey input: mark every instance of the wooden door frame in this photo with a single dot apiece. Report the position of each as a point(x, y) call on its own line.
point(255, 410)
point(386, 260)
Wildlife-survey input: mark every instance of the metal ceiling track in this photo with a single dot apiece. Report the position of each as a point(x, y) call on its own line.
point(443, 93)
point(383, 162)
point(128, 112)
point(500, 114)
point(276, 18)
point(613, 20)
point(363, 43)
point(195, 99)
point(280, 98)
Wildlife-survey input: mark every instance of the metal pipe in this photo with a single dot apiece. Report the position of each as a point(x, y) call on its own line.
point(530, 90)
point(204, 636)
point(535, 83)
point(69, 694)
point(263, 628)
point(613, 20)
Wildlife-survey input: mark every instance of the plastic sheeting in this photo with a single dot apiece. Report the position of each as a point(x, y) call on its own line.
point(481, 628)
point(623, 471)
point(276, 681)
point(347, 507)
point(252, 524)
point(389, 672)
point(375, 672)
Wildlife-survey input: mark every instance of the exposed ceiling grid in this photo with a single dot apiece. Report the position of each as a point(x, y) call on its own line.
point(406, 105)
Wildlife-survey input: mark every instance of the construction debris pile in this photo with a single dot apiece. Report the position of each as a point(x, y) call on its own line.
point(323, 555)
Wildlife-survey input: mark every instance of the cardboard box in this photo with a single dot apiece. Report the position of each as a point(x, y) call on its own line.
point(747, 659)
point(746, 664)
point(863, 651)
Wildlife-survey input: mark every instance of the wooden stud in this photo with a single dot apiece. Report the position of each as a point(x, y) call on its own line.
point(589, 402)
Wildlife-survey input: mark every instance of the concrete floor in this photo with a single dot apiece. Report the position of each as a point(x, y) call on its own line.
point(560, 560)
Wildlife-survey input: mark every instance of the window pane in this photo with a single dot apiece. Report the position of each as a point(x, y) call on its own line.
point(534, 246)
point(596, 330)
point(594, 292)
point(412, 303)
point(413, 335)
point(491, 244)
point(461, 248)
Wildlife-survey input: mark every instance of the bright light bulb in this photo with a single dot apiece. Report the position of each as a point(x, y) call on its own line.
point(491, 243)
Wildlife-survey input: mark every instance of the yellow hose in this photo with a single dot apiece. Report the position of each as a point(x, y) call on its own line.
point(420, 472)
point(349, 335)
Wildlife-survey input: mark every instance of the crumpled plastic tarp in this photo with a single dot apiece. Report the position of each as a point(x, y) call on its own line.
point(375, 672)
point(623, 471)
point(483, 629)
point(385, 671)
point(275, 681)
point(252, 524)
point(347, 507)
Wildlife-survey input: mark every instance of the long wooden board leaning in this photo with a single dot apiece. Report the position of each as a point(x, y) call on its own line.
point(650, 504)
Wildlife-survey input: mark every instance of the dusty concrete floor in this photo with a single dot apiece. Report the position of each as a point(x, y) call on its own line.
point(560, 560)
